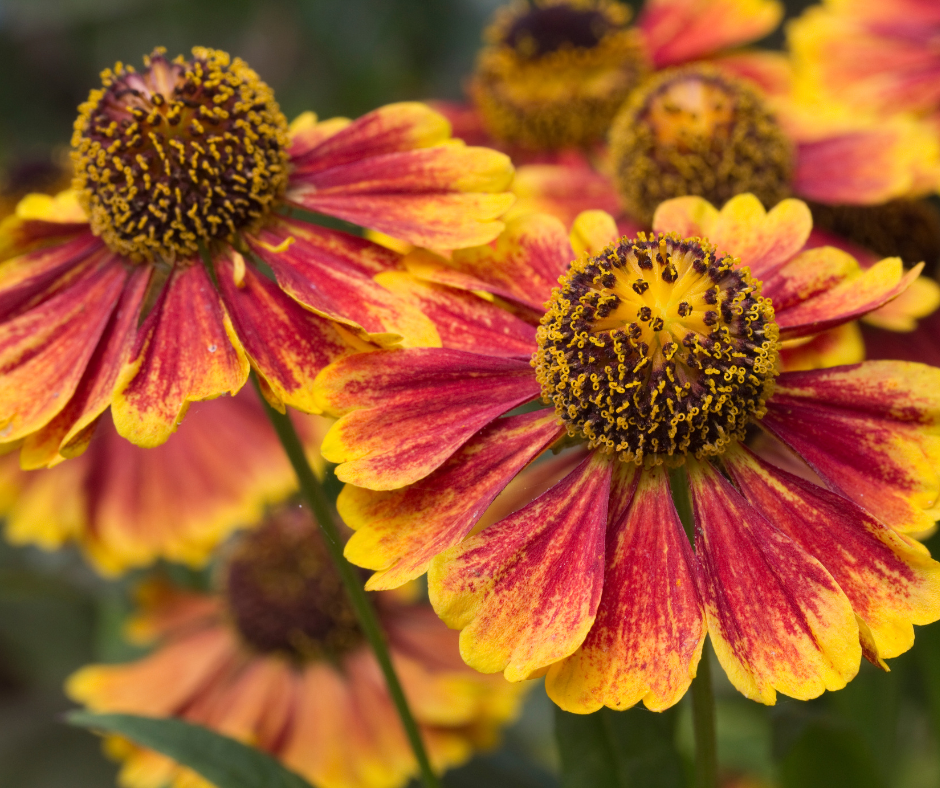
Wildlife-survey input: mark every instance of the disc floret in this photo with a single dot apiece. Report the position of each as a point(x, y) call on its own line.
point(180, 154)
point(657, 348)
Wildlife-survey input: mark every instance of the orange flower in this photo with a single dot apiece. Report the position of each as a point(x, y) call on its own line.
point(276, 660)
point(105, 300)
point(127, 507)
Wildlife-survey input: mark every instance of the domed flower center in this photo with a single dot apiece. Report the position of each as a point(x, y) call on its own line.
point(283, 593)
point(181, 154)
point(549, 28)
point(696, 131)
point(657, 348)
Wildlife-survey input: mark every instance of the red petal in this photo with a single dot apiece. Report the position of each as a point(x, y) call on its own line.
point(398, 532)
point(184, 353)
point(525, 591)
point(647, 638)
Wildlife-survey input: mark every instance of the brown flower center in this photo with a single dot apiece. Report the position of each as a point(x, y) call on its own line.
point(181, 154)
point(544, 29)
point(657, 348)
point(284, 594)
point(696, 131)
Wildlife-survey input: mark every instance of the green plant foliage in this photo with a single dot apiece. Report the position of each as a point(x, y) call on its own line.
point(619, 749)
point(224, 762)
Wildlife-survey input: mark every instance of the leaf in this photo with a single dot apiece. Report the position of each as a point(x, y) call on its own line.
point(827, 755)
point(619, 749)
point(222, 761)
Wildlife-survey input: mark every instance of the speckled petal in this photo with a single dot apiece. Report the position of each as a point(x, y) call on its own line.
point(647, 638)
point(525, 590)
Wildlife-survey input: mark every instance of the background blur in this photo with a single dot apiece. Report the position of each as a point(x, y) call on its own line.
point(345, 57)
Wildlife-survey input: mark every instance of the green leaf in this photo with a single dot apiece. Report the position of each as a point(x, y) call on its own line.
point(827, 755)
point(222, 761)
point(619, 749)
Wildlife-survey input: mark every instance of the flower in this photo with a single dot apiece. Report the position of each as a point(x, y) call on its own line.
point(105, 298)
point(276, 659)
point(875, 55)
point(554, 73)
point(653, 353)
point(126, 506)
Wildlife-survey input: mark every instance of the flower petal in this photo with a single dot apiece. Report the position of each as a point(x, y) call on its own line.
point(763, 240)
point(464, 321)
point(331, 273)
point(286, 344)
point(44, 351)
point(68, 433)
point(840, 345)
point(523, 266)
point(389, 171)
point(647, 638)
point(525, 591)
point(677, 31)
point(777, 619)
point(407, 411)
point(592, 231)
point(563, 191)
point(42, 219)
point(825, 287)
point(871, 433)
point(395, 127)
point(890, 579)
point(398, 532)
point(29, 279)
point(186, 350)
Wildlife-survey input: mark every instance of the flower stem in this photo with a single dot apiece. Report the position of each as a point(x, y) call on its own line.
point(703, 698)
point(316, 499)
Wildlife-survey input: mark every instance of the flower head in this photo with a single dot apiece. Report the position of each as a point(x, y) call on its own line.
point(275, 659)
point(144, 289)
point(652, 352)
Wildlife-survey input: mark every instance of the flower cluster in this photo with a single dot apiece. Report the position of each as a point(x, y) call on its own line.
point(613, 403)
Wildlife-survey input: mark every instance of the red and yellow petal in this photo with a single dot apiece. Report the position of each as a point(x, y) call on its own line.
point(647, 638)
point(763, 240)
point(286, 344)
point(677, 31)
point(331, 273)
point(399, 532)
point(405, 412)
point(563, 191)
point(871, 431)
point(44, 351)
point(464, 321)
point(889, 578)
point(592, 231)
point(186, 350)
point(777, 619)
point(395, 170)
point(824, 287)
point(525, 590)
point(841, 345)
point(31, 278)
point(522, 266)
point(39, 220)
point(68, 433)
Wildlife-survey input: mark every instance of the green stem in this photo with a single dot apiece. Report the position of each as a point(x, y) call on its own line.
point(315, 497)
point(703, 698)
